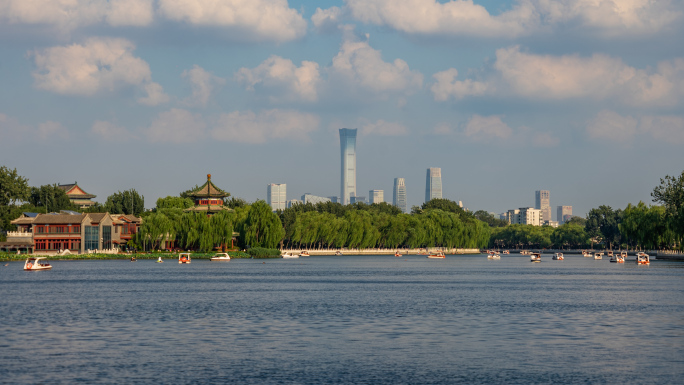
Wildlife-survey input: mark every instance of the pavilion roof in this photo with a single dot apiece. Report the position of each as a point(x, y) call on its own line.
point(208, 190)
point(73, 191)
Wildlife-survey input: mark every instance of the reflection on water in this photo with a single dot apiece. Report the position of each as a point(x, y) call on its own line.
point(316, 320)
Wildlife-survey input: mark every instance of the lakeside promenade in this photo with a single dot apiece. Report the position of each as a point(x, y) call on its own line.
point(403, 251)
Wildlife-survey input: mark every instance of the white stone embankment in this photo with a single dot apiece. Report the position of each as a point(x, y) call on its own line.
point(381, 251)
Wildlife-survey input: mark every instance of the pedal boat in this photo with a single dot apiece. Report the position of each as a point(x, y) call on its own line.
point(184, 258)
point(220, 257)
point(34, 264)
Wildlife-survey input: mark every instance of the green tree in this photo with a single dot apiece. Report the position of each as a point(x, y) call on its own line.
point(174, 202)
point(262, 227)
point(489, 219)
point(603, 224)
point(51, 197)
point(577, 221)
point(670, 193)
point(13, 187)
point(126, 202)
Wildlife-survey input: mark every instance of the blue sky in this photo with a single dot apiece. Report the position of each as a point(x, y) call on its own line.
point(583, 98)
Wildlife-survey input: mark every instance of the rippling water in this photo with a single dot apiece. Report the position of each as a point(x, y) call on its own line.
point(334, 320)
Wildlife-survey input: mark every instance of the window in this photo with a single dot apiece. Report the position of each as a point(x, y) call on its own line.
point(91, 235)
point(106, 237)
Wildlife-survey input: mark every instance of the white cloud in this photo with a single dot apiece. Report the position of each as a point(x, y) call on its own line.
point(66, 15)
point(447, 86)
point(359, 63)
point(668, 129)
point(249, 127)
point(598, 77)
point(203, 84)
point(52, 130)
point(484, 128)
point(283, 79)
point(611, 126)
point(176, 126)
point(100, 64)
point(384, 128)
point(327, 20)
point(110, 132)
point(464, 17)
point(271, 20)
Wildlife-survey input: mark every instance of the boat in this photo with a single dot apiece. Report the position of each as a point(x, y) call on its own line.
point(598, 256)
point(184, 258)
point(587, 254)
point(558, 257)
point(437, 255)
point(133, 259)
point(524, 252)
point(338, 253)
point(493, 255)
point(422, 252)
point(643, 259)
point(304, 254)
point(397, 253)
point(618, 258)
point(289, 255)
point(609, 253)
point(535, 257)
point(160, 260)
point(34, 263)
point(221, 257)
point(506, 252)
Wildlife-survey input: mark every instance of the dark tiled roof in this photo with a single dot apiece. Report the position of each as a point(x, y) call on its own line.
point(97, 217)
point(31, 215)
point(208, 190)
point(49, 219)
point(67, 187)
point(23, 221)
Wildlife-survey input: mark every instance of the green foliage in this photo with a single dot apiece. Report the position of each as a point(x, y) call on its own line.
point(577, 221)
point(670, 194)
point(174, 203)
point(51, 197)
point(13, 187)
point(489, 219)
point(126, 202)
point(570, 235)
point(262, 227)
point(645, 226)
point(262, 252)
point(522, 236)
point(235, 203)
point(603, 225)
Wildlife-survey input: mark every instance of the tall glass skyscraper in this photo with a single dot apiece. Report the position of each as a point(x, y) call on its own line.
point(399, 196)
point(348, 156)
point(433, 184)
point(542, 202)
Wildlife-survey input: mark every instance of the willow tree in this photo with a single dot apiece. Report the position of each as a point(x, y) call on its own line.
point(262, 227)
point(155, 229)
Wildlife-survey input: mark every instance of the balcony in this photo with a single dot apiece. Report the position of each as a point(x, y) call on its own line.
point(18, 234)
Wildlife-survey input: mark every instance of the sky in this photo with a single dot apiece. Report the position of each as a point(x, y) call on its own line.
point(580, 97)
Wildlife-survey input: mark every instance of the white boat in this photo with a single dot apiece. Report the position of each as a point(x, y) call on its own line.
point(338, 253)
point(493, 256)
point(304, 254)
point(397, 253)
point(643, 259)
point(506, 252)
point(618, 258)
point(439, 255)
point(221, 257)
point(586, 254)
point(160, 260)
point(558, 257)
point(34, 264)
point(598, 256)
point(184, 258)
point(289, 255)
point(535, 257)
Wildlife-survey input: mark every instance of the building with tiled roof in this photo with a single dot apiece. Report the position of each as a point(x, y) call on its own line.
point(77, 195)
point(208, 198)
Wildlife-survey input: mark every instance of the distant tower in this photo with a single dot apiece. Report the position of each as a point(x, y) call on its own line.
point(348, 157)
point(542, 202)
point(276, 196)
point(376, 196)
point(563, 214)
point(399, 196)
point(433, 184)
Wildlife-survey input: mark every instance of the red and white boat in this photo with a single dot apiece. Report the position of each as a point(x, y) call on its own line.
point(437, 255)
point(535, 257)
point(184, 258)
point(558, 257)
point(643, 259)
point(34, 263)
point(397, 253)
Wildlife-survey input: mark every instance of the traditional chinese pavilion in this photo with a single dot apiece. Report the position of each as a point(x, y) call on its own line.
point(77, 195)
point(208, 198)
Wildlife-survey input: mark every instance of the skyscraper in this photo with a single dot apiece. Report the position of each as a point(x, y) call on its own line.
point(348, 157)
point(276, 196)
point(376, 196)
point(433, 184)
point(542, 202)
point(399, 195)
point(563, 214)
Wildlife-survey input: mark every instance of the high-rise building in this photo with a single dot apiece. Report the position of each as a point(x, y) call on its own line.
point(542, 202)
point(276, 196)
point(399, 195)
point(433, 184)
point(355, 199)
point(293, 202)
point(348, 160)
point(524, 216)
point(563, 213)
point(376, 196)
point(334, 199)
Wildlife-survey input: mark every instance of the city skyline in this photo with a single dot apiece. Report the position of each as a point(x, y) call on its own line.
point(505, 95)
point(433, 184)
point(347, 164)
point(399, 194)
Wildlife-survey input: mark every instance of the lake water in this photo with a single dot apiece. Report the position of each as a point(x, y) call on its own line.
point(341, 320)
